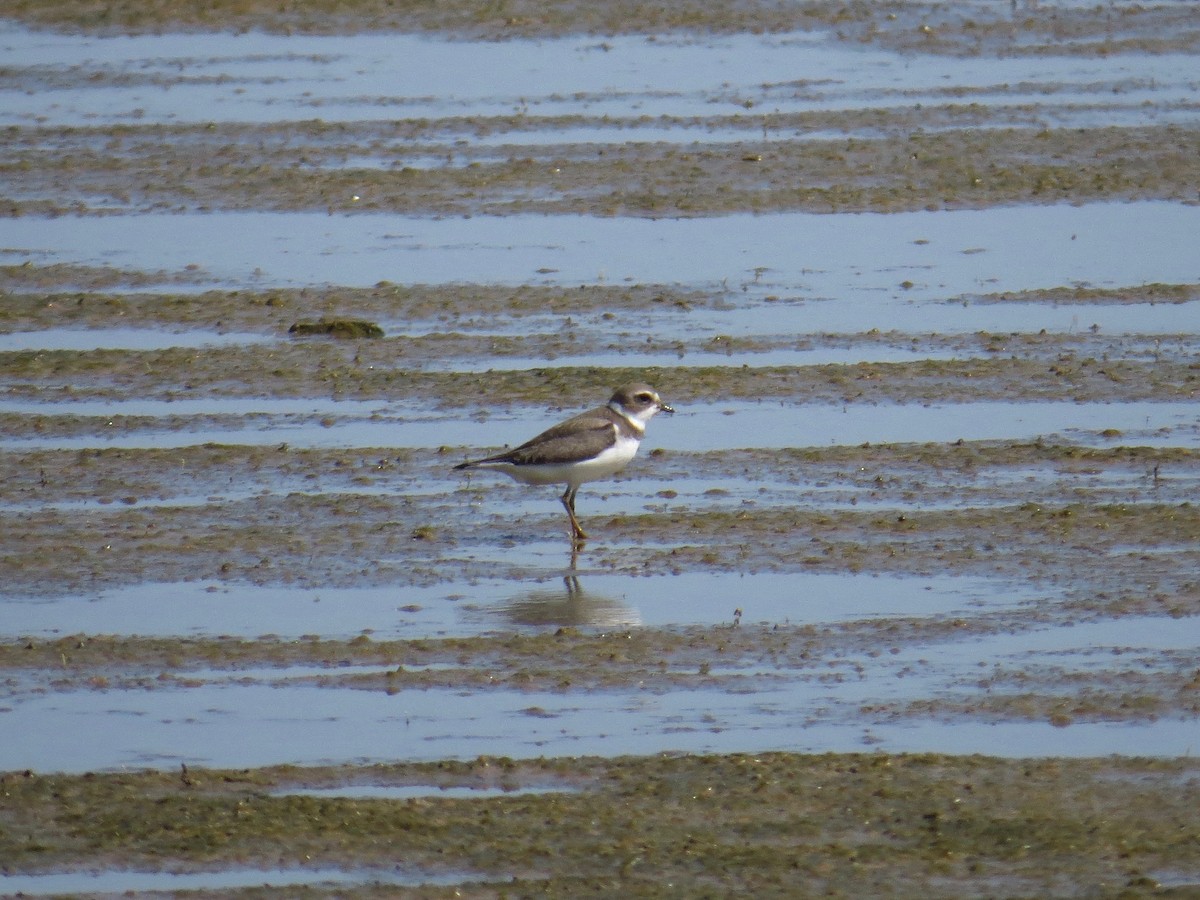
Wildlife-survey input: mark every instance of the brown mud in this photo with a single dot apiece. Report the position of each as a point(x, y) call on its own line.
point(371, 516)
point(1024, 28)
point(157, 169)
point(355, 371)
point(768, 825)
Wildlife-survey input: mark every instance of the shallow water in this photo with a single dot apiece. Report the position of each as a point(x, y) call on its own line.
point(417, 791)
point(251, 725)
point(122, 882)
point(264, 78)
point(678, 489)
point(729, 425)
point(900, 257)
point(480, 607)
point(121, 339)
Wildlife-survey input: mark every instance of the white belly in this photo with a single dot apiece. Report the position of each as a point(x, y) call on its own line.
point(611, 461)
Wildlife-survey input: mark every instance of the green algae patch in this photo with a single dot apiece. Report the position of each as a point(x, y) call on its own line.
point(345, 329)
point(772, 824)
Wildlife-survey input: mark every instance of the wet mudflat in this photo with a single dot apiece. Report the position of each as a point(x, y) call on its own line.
point(930, 492)
point(848, 824)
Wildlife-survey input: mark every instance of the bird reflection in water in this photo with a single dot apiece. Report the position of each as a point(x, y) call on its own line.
point(570, 605)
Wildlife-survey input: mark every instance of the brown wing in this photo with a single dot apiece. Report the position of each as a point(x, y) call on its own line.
point(584, 435)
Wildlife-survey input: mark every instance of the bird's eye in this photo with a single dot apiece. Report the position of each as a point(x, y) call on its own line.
point(644, 397)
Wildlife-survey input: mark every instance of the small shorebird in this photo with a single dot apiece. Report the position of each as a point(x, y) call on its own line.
point(586, 447)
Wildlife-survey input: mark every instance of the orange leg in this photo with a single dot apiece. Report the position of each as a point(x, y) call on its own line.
point(578, 535)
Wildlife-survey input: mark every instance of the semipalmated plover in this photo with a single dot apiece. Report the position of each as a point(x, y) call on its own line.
point(586, 447)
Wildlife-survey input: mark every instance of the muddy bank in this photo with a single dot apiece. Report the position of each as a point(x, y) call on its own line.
point(854, 824)
point(659, 145)
point(153, 169)
point(730, 658)
point(66, 296)
point(344, 517)
point(83, 297)
point(935, 474)
point(356, 371)
point(1026, 28)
